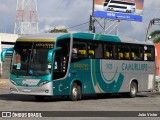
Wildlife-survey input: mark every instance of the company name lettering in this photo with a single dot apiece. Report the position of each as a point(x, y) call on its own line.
point(134, 66)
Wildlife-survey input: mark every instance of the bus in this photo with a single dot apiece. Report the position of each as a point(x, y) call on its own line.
point(75, 64)
point(120, 6)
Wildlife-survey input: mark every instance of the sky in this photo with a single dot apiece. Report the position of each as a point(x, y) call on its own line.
point(68, 13)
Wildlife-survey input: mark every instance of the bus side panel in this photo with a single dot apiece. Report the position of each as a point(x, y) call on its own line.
point(111, 78)
point(139, 71)
point(79, 71)
point(107, 76)
point(149, 77)
point(116, 76)
point(82, 70)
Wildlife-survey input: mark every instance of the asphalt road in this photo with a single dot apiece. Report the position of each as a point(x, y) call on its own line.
point(143, 102)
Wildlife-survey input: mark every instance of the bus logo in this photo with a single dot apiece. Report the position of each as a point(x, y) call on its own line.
point(6, 114)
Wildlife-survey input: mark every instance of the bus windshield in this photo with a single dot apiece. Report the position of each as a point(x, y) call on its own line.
point(31, 58)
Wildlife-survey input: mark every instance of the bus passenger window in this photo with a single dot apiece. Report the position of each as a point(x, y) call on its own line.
point(91, 53)
point(136, 53)
point(91, 50)
point(108, 51)
point(120, 56)
point(132, 55)
point(148, 54)
point(95, 50)
point(127, 55)
point(124, 52)
point(79, 50)
point(107, 54)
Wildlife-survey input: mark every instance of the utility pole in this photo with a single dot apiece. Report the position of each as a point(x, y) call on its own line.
point(91, 25)
point(26, 17)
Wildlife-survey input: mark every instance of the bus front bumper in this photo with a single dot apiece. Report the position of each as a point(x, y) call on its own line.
point(45, 90)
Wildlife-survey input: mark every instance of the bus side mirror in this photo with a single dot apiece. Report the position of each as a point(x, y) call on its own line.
point(51, 52)
point(3, 54)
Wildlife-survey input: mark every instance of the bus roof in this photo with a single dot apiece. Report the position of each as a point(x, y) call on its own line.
point(103, 37)
point(45, 37)
point(52, 37)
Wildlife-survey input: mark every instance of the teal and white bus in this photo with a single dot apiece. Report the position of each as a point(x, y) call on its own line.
point(80, 63)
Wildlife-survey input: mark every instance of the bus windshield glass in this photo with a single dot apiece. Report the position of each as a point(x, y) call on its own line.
point(31, 58)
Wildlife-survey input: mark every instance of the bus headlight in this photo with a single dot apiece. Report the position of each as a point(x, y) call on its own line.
point(43, 83)
point(13, 82)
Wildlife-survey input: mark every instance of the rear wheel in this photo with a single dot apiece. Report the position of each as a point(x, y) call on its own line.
point(75, 92)
point(133, 90)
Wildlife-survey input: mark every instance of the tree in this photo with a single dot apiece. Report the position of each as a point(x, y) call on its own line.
point(155, 35)
point(57, 30)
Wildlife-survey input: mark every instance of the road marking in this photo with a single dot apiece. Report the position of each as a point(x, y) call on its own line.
point(3, 82)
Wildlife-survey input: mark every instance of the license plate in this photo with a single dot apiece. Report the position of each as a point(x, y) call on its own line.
point(26, 90)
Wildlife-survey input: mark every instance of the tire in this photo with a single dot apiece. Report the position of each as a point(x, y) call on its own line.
point(75, 92)
point(108, 9)
point(133, 90)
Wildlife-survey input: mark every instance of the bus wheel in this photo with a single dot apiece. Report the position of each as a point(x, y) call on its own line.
point(75, 92)
point(133, 90)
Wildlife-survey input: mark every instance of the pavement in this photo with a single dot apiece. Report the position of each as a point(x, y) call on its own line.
point(4, 81)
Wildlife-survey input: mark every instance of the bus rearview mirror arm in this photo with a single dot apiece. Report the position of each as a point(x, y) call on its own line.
point(3, 54)
point(50, 53)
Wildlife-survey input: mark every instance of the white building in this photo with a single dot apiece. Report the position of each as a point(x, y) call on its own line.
point(6, 41)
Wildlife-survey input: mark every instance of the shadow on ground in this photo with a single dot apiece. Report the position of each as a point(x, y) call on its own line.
point(27, 98)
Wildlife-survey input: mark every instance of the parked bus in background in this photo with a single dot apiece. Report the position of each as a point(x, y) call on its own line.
point(80, 63)
point(120, 6)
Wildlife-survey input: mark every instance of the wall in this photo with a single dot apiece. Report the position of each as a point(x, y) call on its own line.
point(6, 68)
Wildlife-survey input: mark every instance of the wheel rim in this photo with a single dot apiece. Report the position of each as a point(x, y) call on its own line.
point(133, 90)
point(75, 92)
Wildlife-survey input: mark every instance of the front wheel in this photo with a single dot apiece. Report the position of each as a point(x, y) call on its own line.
point(133, 90)
point(75, 92)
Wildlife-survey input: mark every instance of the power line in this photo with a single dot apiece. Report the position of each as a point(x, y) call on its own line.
point(78, 25)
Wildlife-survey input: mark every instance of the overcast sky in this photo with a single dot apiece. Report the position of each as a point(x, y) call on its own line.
point(68, 13)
